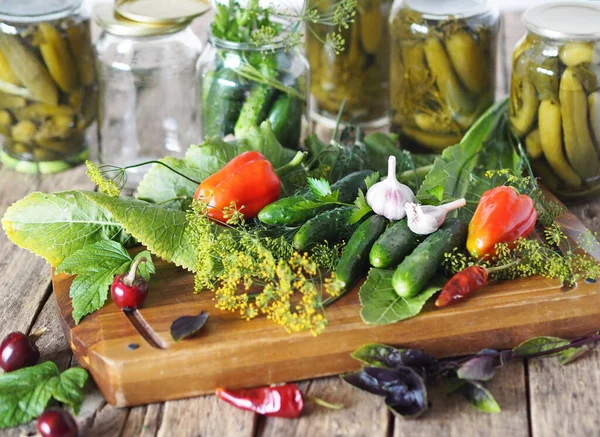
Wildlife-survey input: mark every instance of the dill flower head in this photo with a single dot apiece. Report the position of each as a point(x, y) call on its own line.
point(108, 185)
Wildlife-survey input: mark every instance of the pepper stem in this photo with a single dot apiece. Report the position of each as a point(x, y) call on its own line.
point(292, 165)
point(130, 278)
point(324, 403)
point(459, 203)
point(504, 267)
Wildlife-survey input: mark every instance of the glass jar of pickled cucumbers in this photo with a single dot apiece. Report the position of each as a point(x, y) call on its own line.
point(357, 75)
point(443, 69)
point(555, 96)
point(243, 84)
point(147, 81)
point(47, 84)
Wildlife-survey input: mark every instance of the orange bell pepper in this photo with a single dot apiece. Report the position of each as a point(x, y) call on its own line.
point(502, 216)
point(248, 181)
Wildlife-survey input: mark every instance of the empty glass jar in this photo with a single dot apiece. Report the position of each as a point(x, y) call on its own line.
point(47, 84)
point(555, 96)
point(147, 89)
point(443, 69)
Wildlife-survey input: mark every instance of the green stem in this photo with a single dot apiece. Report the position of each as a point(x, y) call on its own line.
point(504, 267)
point(164, 165)
point(338, 121)
point(292, 165)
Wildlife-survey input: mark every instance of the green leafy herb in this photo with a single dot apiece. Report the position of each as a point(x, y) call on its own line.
point(381, 305)
point(25, 393)
point(55, 226)
point(378, 355)
point(320, 188)
point(480, 397)
point(461, 169)
point(545, 344)
point(362, 208)
point(96, 266)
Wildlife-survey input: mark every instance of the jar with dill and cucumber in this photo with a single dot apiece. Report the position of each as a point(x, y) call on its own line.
point(47, 84)
point(555, 96)
point(357, 72)
point(443, 69)
point(244, 81)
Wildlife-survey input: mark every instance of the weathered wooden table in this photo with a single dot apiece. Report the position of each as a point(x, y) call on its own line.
point(538, 397)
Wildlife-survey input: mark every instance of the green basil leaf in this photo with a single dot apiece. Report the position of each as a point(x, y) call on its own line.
point(539, 344)
point(479, 397)
point(378, 355)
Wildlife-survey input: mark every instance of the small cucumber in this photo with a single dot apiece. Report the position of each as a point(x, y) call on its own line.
point(332, 226)
point(286, 120)
point(282, 212)
point(354, 262)
point(223, 104)
point(255, 109)
point(396, 243)
point(417, 269)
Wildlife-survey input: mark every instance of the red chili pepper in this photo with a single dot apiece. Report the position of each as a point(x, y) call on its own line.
point(248, 180)
point(281, 401)
point(502, 216)
point(462, 286)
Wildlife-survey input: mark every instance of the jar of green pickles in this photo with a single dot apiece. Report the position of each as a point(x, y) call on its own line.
point(357, 75)
point(47, 84)
point(443, 69)
point(555, 96)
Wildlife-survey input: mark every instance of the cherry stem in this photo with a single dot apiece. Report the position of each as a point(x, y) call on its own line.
point(324, 403)
point(37, 334)
point(130, 278)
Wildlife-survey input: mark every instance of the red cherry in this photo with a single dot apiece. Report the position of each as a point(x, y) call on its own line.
point(57, 423)
point(17, 351)
point(128, 297)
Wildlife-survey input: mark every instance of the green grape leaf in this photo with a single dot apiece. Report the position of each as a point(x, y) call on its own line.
point(96, 266)
point(163, 231)
point(25, 393)
point(55, 226)
point(381, 305)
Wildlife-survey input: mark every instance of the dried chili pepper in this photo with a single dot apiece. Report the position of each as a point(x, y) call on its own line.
point(285, 401)
point(466, 283)
point(502, 216)
point(248, 181)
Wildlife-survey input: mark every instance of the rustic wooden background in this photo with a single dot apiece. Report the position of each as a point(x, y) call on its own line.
point(538, 397)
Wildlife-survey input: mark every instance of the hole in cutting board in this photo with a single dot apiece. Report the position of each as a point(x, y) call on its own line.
point(143, 328)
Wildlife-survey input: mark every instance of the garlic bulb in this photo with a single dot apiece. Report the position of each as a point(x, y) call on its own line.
point(425, 220)
point(388, 197)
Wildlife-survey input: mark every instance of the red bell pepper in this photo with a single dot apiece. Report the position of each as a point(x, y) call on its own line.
point(502, 216)
point(248, 181)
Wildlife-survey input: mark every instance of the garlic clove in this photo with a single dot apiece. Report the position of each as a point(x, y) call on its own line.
point(425, 220)
point(389, 197)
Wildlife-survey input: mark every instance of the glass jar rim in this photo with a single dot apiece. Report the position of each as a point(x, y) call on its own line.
point(546, 28)
point(483, 8)
point(25, 15)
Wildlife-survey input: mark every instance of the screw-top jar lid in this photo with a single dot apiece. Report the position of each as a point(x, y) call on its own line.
point(439, 9)
point(107, 18)
point(565, 20)
point(36, 10)
point(162, 11)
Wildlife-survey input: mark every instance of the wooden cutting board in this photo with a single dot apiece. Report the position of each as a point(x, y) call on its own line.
point(134, 361)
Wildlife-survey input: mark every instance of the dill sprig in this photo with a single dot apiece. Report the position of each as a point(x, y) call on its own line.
point(258, 275)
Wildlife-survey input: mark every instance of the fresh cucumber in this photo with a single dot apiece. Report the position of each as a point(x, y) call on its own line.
point(286, 120)
point(284, 212)
point(354, 262)
point(207, 82)
point(332, 226)
point(255, 109)
point(223, 104)
point(395, 244)
point(417, 269)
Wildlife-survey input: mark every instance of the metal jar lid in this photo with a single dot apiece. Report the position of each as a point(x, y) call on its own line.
point(19, 11)
point(162, 11)
point(106, 17)
point(440, 9)
point(573, 21)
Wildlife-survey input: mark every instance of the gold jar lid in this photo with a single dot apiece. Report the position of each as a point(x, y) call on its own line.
point(161, 11)
point(108, 19)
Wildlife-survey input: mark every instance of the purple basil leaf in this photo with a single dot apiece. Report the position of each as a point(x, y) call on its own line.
point(505, 356)
point(364, 381)
point(187, 326)
point(479, 368)
point(419, 360)
point(408, 396)
point(478, 396)
point(378, 355)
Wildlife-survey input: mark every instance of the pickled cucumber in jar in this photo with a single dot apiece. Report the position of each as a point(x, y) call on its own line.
point(555, 99)
point(443, 68)
point(358, 73)
point(47, 85)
